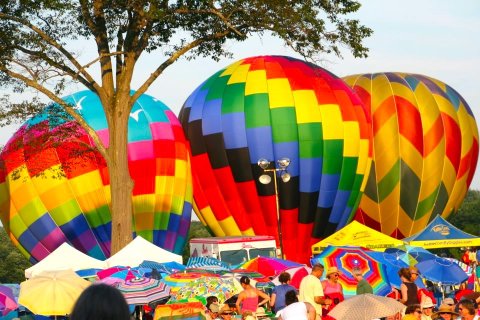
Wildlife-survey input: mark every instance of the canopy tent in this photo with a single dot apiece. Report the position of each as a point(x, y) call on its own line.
point(357, 234)
point(65, 257)
point(440, 233)
point(134, 253)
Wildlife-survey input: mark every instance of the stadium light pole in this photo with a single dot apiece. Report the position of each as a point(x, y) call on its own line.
point(279, 169)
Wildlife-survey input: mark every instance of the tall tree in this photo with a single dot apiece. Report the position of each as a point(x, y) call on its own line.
point(35, 52)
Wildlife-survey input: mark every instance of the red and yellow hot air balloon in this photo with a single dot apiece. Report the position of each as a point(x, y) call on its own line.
point(425, 150)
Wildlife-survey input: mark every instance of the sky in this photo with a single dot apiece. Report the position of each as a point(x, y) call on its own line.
point(436, 38)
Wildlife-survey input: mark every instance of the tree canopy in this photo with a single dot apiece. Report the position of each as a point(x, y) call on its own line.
point(37, 50)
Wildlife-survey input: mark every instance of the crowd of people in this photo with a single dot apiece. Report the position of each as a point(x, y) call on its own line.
point(314, 300)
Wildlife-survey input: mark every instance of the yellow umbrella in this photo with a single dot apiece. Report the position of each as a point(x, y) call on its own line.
point(52, 292)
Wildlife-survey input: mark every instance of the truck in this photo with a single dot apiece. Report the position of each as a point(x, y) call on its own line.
point(234, 250)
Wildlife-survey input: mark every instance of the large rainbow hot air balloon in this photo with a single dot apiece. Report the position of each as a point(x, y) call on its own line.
point(425, 150)
point(274, 107)
point(50, 195)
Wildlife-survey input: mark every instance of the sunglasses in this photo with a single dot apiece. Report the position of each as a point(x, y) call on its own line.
point(445, 313)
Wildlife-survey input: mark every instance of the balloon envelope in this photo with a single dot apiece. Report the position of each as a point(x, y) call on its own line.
point(275, 107)
point(425, 151)
point(54, 187)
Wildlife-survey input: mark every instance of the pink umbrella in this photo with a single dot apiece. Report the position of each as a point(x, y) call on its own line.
point(119, 272)
point(7, 300)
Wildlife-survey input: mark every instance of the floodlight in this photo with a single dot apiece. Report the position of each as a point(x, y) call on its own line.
point(263, 163)
point(265, 179)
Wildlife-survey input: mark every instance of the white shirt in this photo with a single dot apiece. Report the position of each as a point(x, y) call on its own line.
point(294, 311)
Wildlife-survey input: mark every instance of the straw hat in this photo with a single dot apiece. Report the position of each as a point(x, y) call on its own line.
point(444, 308)
point(428, 303)
point(332, 270)
point(260, 312)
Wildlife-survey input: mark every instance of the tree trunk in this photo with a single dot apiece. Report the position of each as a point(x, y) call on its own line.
point(121, 184)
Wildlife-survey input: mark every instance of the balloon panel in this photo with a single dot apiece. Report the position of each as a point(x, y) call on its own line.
point(55, 188)
point(276, 107)
point(425, 150)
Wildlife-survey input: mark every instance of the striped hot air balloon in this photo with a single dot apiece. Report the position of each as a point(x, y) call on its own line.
point(55, 189)
point(274, 107)
point(425, 150)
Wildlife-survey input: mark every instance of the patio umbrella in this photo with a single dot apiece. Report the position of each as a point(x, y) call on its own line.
point(165, 267)
point(442, 270)
point(366, 307)
point(143, 290)
point(52, 292)
point(180, 279)
point(269, 266)
point(207, 263)
point(7, 300)
point(188, 310)
point(123, 273)
point(348, 259)
point(411, 254)
point(296, 275)
point(221, 287)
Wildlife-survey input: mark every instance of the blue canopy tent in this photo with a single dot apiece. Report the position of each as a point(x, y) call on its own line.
point(440, 233)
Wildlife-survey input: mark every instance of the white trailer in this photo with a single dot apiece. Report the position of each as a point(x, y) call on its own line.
point(233, 249)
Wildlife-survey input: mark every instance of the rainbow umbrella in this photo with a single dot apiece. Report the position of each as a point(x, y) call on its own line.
point(177, 280)
point(269, 266)
point(143, 290)
point(221, 287)
point(7, 300)
point(348, 259)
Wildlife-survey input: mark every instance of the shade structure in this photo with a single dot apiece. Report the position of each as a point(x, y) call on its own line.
point(143, 290)
point(207, 263)
point(52, 292)
point(366, 307)
point(7, 300)
point(348, 259)
point(442, 270)
point(269, 266)
point(358, 234)
point(221, 287)
point(296, 275)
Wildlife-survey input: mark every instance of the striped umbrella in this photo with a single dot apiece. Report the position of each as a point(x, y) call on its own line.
point(7, 300)
point(143, 290)
point(269, 266)
point(348, 259)
point(207, 263)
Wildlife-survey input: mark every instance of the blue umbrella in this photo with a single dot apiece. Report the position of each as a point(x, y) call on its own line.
point(392, 263)
point(442, 270)
point(407, 252)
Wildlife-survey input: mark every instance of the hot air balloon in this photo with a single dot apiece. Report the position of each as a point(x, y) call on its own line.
point(425, 150)
point(55, 188)
point(271, 115)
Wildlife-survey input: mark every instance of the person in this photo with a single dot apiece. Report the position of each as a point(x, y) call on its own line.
point(277, 300)
point(422, 293)
point(449, 302)
point(467, 310)
point(211, 312)
point(248, 299)
point(100, 302)
point(445, 312)
point(414, 310)
point(311, 290)
point(296, 310)
point(466, 257)
point(362, 285)
point(408, 289)
point(427, 309)
point(332, 288)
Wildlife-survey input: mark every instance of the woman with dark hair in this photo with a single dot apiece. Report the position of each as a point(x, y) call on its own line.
point(277, 300)
point(408, 289)
point(295, 310)
point(248, 299)
point(100, 302)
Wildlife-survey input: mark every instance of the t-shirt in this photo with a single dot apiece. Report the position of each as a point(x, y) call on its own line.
point(364, 287)
point(280, 291)
point(311, 287)
point(294, 311)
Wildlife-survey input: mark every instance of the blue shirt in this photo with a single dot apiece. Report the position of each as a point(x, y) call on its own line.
point(280, 292)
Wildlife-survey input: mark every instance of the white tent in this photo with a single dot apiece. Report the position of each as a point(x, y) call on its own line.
point(63, 258)
point(134, 253)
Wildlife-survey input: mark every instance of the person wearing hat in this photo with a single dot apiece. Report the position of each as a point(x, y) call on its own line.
point(332, 288)
point(427, 309)
point(445, 312)
point(449, 301)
